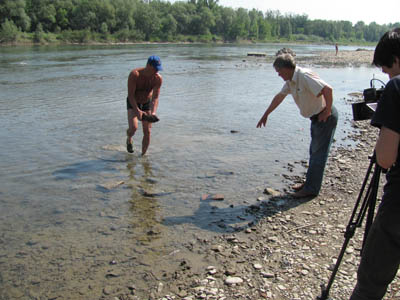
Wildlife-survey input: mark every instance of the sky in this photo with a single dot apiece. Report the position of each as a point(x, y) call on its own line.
point(381, 12)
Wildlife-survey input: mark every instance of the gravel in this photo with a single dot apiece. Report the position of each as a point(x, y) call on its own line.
point(292, 247)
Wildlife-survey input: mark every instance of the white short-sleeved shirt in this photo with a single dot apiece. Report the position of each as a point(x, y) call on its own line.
point(305, 87)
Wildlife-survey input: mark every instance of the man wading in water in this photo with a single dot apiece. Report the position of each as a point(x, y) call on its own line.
point(144, 86)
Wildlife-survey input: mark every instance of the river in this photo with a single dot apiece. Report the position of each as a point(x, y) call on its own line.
point(76, 210)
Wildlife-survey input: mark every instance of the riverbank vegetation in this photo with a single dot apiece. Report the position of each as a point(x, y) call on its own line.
point(112, 21)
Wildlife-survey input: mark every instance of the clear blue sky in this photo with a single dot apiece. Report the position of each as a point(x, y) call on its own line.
point(381, 12)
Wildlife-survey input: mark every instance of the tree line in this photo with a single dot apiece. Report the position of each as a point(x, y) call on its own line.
point(162, 21)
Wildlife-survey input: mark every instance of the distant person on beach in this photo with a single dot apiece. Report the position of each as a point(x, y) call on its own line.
point(337, 49)
point(144, 86)
point(380, 258)
point(314, 98)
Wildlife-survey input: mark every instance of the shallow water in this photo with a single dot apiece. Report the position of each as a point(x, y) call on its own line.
point(72, 200)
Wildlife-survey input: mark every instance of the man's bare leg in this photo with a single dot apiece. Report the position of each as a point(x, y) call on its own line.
point(146, 136)
point(133, 126)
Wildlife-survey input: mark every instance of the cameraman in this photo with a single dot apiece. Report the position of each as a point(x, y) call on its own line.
point(381, 255)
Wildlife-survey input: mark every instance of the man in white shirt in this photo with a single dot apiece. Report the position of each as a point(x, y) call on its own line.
point(314, 97)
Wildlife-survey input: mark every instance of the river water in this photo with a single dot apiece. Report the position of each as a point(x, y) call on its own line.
point(77, 211)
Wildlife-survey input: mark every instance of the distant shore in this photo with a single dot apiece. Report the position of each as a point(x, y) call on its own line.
point(345, 58)
point(357, 58)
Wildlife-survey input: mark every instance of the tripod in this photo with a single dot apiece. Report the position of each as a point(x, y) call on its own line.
point(359, 212)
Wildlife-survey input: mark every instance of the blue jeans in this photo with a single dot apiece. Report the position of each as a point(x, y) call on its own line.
point(321, 139)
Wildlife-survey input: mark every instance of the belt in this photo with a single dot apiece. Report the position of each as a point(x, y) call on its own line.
point(315, 117)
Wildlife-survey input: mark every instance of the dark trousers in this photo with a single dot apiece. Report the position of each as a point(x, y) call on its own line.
point(321, 140)
point(381, 256)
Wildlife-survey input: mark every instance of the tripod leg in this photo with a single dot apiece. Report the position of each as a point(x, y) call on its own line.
point(325, 290)
point(372, 203)
point(351, 227)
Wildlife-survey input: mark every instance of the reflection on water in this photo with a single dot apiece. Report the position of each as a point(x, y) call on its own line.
point(145, 210)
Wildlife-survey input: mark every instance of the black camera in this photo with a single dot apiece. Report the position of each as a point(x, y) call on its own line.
point(364, 110)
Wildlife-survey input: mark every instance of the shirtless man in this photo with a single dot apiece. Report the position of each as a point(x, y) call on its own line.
point(144, 86)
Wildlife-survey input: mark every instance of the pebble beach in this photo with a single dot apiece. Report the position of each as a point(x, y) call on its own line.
point(290, 252)
point(106, 232)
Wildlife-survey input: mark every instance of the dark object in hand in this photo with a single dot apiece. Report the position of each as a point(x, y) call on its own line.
point(150, 118)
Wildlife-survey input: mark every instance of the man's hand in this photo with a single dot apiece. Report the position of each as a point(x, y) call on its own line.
point(327, 92)
point(140, 114)
point(262, 122)
point(324, 115)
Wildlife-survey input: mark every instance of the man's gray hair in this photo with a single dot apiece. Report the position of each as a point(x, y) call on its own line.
point(284, 61)
point(284, 51)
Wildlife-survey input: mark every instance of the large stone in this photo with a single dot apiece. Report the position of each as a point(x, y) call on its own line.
point(272, 192)
point(233, 280)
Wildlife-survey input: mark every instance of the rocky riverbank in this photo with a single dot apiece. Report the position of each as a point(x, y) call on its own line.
point(291, 249)
point(269, 245)
point(357, 58)
point(292, 246)
point(345, 58)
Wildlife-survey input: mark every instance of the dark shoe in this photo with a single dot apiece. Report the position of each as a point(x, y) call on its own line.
point(303, 194)
point(298, 186)
point(150, 118)
point(129, 147)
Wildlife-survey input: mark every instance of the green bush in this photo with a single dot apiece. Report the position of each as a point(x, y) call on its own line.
point(76, 36)
point(300, 37)
point(38, 37)
point(128, 35)
point(9, 32)
point(205, 38)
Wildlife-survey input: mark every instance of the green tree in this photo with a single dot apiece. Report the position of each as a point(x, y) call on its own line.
point(224, 22)
point(82, 15)
point(254, 24)
point(105, 14)
point(80, 20)
point(14, 10)
point(124, 10)
point(347, 29)
point(62, 18)
point(47, 17)
point(43, 12)
point(264, 29)
point(147, 20)
point(273, 18)
point(286, 28)
point(207, 3)
point(168, 27)
point(183, 14)
point(9, 32)
point(39, 34)
point(359, 28)
point(241, 24)
point(202, 22)
point(299, 23)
